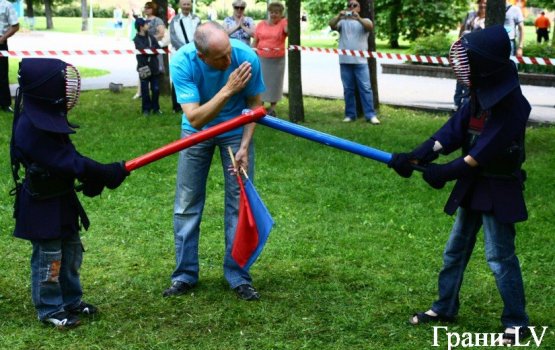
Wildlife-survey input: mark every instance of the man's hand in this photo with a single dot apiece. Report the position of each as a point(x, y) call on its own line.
point(239, 78)
point(242, 158)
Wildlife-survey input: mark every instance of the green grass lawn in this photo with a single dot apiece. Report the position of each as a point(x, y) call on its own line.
point(355, 249)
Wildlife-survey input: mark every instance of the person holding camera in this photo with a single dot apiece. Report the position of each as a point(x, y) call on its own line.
point(353, 35)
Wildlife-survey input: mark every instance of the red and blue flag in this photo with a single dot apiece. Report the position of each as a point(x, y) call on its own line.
point(253, 225)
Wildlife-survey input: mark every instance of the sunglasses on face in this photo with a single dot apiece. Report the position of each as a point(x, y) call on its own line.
point(238, 7)
point(353, 5)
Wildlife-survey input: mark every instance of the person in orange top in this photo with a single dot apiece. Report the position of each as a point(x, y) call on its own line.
point(269, 40)
point(542, 27)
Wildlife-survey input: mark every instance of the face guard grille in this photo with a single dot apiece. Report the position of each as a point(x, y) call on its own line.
point(73, 86)
point(458, 59)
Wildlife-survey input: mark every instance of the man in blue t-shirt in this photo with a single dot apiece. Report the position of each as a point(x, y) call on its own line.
point(215, 78)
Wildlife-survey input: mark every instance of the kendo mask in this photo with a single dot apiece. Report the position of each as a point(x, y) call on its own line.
point(481, 61)
point(50, 88)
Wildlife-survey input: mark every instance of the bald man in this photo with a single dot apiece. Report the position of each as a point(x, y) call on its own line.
point(215, 78)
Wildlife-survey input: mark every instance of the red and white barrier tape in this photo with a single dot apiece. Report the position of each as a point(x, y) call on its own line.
point(50, 53)
point(543, 61)
point(413, 58)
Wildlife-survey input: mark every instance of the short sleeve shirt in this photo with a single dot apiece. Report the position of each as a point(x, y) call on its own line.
point(271, 37)
point(154, 24)
point(513, 17)
point(8, 16)
point(352, 36)
point(240, 34)
point(195, 81)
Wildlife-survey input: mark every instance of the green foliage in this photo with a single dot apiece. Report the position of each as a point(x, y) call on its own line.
point(395, 19)
point(543, 4)
point(74, 10)
point(355, 249)
point(320, 12)
point(434, 45)
point(416, 18)
point(257, 15)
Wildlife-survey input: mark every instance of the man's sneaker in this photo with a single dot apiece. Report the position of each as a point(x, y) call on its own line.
point(62, 319)
point(83, 309)
point(374, 120)
point(348, 120)
point(177, 288)
point(247, 292)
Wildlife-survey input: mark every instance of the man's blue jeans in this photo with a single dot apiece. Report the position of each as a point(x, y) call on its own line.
point(192, 173)
point(55, 283)
point(500, 255)
point(357, 76)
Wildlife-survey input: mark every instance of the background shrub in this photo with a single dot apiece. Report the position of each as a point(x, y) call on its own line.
point(434, 45)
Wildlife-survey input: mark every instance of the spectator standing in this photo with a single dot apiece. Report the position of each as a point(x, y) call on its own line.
point(182, 31)
point(269, 41)
point(47, 210)
point(239, 26)
point(514, 24)
point(489, 131)
point(542, 25)
point(215, 79)
point(474, 21)
point(9, 25)
point(118, 17)
point(144, 40)
point(157, 29)
point(118, 21)
point(156, 25)
point(353, 35)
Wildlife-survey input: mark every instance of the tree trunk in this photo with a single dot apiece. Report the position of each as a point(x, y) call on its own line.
point(495, 12)
point(84, 16)
point(165, 87)
point(296, 105)
point(48, 14)
point(394, 18)
point(29, 11)
point(367, 11)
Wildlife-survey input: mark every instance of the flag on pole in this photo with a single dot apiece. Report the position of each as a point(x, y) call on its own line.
point(253, 224)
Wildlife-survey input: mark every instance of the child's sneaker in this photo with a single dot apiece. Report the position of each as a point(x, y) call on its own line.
point(62, 320)
point(83, 309)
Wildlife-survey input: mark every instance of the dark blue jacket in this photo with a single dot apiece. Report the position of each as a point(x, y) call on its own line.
point(56, 217)
point(503, 196)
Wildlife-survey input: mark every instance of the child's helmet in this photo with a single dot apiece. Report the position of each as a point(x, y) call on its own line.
point(482, 61)
point(50, 88)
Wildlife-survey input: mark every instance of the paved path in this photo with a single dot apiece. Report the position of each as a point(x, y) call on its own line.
point(320, 73)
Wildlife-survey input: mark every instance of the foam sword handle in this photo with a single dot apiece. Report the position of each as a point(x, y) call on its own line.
point(195, 138)
point(328, 140)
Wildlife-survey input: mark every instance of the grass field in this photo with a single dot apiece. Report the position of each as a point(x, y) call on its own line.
point(355, 249)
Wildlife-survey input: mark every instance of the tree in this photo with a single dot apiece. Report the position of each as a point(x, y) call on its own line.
point(367, 11)
point(84, 16)
point(29, 11)
point(48, 14)
point(495, 12)
point(296, 105)
point(165, 78)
